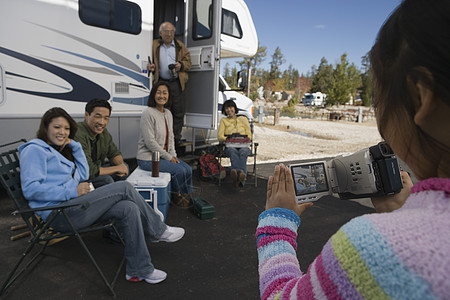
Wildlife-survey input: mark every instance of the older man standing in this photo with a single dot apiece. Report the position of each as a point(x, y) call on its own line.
point(172, 60)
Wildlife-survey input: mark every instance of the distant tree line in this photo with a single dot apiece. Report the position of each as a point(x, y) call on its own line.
point(341, 82)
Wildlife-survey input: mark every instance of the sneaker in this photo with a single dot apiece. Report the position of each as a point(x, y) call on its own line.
point(172, 234)
point(155, 277)
point(234, 177)
point(242, 178)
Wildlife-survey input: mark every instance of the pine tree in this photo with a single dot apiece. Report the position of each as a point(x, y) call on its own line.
point(275, 64)
point(322, 78)
point(346, 80)
point(366, 78)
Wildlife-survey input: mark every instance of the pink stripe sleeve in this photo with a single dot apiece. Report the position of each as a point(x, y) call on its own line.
point(275, 238)
point(325, 282)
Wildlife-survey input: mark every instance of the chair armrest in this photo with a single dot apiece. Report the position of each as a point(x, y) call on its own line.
point(85, 204)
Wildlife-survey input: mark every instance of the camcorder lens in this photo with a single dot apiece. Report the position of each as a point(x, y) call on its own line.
point(385, 149)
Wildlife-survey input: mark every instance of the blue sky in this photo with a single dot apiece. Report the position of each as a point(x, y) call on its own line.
point(307, 30)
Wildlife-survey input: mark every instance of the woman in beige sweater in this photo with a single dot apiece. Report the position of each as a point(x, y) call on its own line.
point(157, 135)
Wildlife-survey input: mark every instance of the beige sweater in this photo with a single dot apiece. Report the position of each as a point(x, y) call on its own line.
point(153, 134)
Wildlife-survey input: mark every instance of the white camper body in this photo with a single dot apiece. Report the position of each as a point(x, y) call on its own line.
point(244, 104)
point(317, 99)
point(67, 52)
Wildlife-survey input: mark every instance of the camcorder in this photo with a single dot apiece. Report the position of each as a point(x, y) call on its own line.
point(371, 172)
point(173, 72)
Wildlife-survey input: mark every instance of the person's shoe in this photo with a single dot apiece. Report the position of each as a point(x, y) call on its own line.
point(234, 177)
point(242, 178)
point(181, 201)
point(155, 277)
point(172, 234)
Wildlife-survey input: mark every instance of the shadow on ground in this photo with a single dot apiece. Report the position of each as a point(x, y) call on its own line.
point(216, 259)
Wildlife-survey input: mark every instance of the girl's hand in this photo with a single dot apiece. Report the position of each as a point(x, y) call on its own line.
point(67, 142)
point(392, 202)
point(174, 160)
point(83, 188)
point(280, 191)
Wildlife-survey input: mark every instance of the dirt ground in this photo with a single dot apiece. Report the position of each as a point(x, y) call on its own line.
point(299, 139)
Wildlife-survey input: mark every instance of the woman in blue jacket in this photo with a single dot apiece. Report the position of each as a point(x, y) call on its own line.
point(54, 170)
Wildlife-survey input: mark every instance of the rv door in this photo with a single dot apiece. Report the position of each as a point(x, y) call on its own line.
point(203, 42)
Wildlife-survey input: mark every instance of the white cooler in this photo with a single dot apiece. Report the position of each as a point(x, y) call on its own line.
point(154, 190)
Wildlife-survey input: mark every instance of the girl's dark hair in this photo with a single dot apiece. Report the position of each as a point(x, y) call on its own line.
point(413, 45)
point(49, 115)
point(229, 103)
point(47, 118)
point(151, 98)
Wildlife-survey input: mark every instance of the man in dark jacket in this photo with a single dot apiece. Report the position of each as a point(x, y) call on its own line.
point(98, 145)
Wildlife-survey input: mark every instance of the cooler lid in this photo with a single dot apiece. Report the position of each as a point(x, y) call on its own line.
point(144, 178)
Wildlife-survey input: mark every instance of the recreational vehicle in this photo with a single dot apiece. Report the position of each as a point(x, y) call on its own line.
point(66, 52)
point(317, 99)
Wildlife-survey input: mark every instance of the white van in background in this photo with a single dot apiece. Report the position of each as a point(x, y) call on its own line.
point(67, 52)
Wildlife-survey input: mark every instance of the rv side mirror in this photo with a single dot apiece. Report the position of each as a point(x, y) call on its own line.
point(241, 80)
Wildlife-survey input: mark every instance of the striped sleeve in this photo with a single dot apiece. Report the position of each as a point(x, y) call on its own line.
point(276, 241)
point(356, 263)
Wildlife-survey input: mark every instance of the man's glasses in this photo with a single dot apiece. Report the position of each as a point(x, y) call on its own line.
point(168, 31)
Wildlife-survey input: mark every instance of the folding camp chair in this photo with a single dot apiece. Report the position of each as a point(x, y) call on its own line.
point(253, 152)
point(41, 232)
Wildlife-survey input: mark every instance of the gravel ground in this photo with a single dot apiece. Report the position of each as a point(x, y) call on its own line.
point(299, 139)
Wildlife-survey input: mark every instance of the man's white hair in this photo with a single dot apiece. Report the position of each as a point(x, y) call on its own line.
point(164, 23)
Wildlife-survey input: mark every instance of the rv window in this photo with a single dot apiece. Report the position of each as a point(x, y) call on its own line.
point(202, 19)
point(230, 24)
point(120, 15)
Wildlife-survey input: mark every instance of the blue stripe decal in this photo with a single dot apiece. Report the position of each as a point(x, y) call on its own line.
point(35, 79)
point(82, 89)
point(135, 101)
point(138, 77)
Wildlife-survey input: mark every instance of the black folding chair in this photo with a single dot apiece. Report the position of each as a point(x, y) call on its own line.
point(41, 232)
point(253, 152)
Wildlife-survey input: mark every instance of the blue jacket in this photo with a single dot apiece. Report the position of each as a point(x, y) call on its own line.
point(46, 175)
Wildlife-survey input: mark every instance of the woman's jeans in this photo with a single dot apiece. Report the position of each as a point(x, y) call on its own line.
point(181, 174)
point(136, 221)
point(238, 158)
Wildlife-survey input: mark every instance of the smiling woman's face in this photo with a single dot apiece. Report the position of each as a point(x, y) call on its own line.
point(161, 96)
point(230, 111)
point(58, 131)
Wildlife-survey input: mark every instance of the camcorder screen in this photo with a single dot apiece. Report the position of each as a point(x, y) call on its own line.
point(310, 178)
